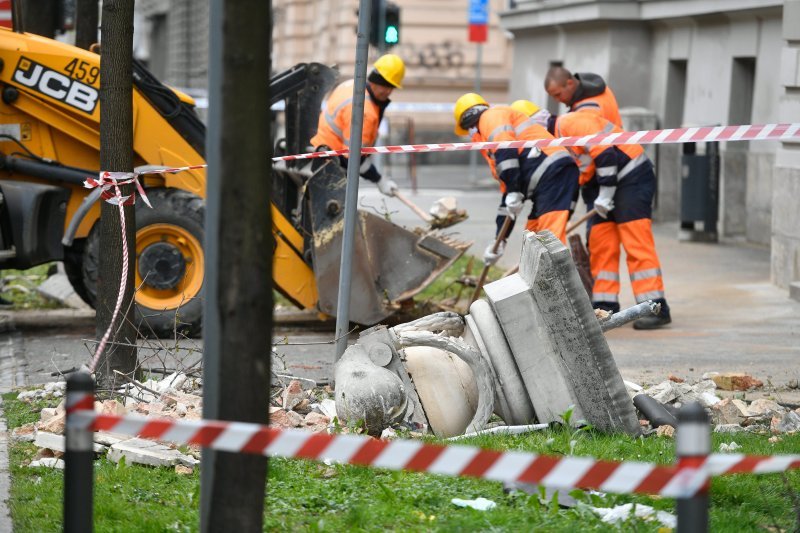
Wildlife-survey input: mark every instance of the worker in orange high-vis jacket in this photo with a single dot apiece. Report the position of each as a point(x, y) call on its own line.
point(619, 182)
point(333, 130)
point(582, 92)
point(548, 176)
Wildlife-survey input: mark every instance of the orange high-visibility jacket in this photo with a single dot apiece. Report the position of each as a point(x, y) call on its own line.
point(333, 129)
point(604, 103)
point(501, 123)
point(608, 163)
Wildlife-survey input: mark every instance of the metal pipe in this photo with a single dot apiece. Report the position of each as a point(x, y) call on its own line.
point(630, 314)
point(504, 430)
point(353, 164)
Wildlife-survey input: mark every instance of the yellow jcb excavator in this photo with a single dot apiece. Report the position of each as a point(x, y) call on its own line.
point(49, 144)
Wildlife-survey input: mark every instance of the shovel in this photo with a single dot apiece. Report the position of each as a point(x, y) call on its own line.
point(453, 217)
point(572, 227)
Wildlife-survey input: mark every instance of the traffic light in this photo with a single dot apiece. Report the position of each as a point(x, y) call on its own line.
point(391, 33)
point(386, 35)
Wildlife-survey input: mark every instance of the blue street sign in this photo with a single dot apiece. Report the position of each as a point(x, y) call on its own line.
point(478, 11)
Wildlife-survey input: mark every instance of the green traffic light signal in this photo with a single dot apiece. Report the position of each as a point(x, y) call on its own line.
point(392, 35)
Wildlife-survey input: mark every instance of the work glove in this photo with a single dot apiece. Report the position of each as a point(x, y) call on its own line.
point(387, 186)
point(514, 203)
point(490, 257)
point(604, 203)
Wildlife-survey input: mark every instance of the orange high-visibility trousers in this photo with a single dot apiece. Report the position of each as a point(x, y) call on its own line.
point(555, 221)
point(644, 268)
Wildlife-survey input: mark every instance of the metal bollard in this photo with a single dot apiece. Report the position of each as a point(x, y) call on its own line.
point(692, 446)
point(78, 457)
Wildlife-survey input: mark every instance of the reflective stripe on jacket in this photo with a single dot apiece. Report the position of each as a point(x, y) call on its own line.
point(511, 167)
point(333, 129)
point(608, 164)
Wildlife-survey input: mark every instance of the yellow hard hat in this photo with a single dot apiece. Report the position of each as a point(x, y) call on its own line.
point(525, 106)
point(462, 104)
point(391, 68)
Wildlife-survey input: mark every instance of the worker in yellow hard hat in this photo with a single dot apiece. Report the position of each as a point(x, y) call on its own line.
point(333, 130)
point(548, 177)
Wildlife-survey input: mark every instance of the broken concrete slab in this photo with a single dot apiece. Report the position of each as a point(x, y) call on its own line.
point(108, 439)
point(57, 443)
point(48, 462)
point(728, 428)
point(728, 411)
point(148, 452)
point(557, 343)
point(58, 288)
point(789, 423)
point(55, 424)
point(765, 408)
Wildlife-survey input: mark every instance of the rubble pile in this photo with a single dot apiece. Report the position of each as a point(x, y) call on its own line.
point(729, 415)
point(296, 405)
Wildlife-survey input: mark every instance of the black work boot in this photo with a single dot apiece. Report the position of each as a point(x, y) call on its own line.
point(655, 321)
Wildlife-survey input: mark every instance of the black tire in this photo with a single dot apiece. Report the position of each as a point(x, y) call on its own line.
point(73, 266)
point(172, 207)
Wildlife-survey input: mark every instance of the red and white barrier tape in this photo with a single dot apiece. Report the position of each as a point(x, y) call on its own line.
point(110, 183)
point(757, 132)
point(750, 132)
point(455, 460)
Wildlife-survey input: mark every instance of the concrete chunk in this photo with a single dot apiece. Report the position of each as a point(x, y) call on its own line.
point(54, 442)
point(555, 338)
point(148, 452)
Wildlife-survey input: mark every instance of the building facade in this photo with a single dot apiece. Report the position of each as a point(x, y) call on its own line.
point(441, 63)
point(691, 62)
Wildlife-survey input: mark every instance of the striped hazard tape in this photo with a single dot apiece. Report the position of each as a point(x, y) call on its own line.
point(757, 132)
point(454, 460)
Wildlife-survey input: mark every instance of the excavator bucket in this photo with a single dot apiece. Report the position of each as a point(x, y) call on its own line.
point(390, 263)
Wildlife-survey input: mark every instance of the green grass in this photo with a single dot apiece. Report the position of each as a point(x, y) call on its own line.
point(309, 496)
point(19, 287)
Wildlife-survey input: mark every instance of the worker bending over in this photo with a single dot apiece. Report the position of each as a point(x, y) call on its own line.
point(548, 177)
point(582, 92)
point(619, 182)
point(333, 130)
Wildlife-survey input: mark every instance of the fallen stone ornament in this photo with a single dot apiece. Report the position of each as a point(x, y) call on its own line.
point(534, 349)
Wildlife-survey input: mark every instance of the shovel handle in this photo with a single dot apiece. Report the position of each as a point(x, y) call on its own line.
point(422, 214)
point(485, 272)
point(572, 227)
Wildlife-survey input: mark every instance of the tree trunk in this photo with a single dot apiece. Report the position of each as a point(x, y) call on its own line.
point(116, 155)
point(40, 17)
point(86, 21)
point(237, 321)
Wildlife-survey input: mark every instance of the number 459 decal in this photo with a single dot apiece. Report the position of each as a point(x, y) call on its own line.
point(81, 71)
